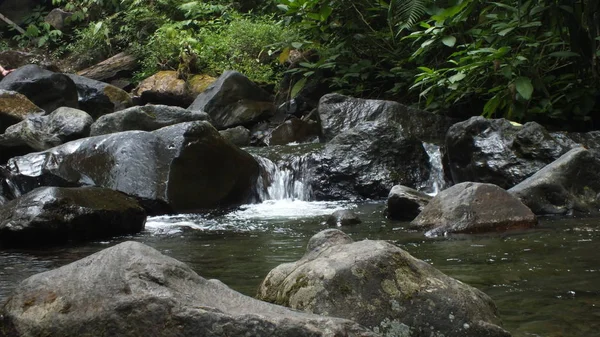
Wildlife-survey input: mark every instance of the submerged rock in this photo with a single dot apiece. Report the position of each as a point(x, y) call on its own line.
point(405, 203)
point(51, 215)
point(144, 118)
point(46, 89)
point(473, 208)
point(181, 168)
point(133, 290)
point(497, 152)
point(343, 217)
point(382, 287)
point(234, 100)
point(571, 184)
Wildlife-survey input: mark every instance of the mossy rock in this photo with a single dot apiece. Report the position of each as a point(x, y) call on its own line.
point(15, 107)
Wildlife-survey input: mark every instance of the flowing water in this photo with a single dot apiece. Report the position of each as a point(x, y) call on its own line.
point(545, 281)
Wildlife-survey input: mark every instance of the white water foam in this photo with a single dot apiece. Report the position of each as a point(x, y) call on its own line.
point(436, 181)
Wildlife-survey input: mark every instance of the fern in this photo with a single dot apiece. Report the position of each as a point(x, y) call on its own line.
point(405, 13)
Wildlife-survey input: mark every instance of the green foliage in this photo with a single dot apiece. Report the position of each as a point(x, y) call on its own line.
point(38, 32)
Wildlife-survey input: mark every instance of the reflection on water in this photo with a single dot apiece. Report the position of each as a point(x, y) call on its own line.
point(546, 281)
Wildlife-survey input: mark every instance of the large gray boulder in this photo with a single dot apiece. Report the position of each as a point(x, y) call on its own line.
point(46, 89)
point(239, 135)
point(99, 98)
point(144, 118)
point(43, 132)
point(182, 168)
point(495, 151)
point(339, 113)
point(405, 203)
point(234, 100)
point(52, 215)
point(571, 184)
point(473, 208)
point(367, 160)
point(132, 290)
point(382, 287)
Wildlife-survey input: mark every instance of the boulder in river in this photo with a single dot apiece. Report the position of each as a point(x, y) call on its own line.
point(15, 107)
point(46, 89)
point(497, 152)
point(133, 290)
point(473, 208)
point(165, 87)
point(405, 203)
point(381, 287)
point(571, 184)
point(99, 98)
point(239, 135)
point(294, 130)
point(145, 118)
point(367, 160)
point(53, 215)
point(180, 168)
point(43, 132)
point(343, 217)
point(234, 100)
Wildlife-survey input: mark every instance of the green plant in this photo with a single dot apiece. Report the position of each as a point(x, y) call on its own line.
point(38, 31)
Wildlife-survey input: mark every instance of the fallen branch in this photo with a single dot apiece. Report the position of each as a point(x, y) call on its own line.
point(10, 22)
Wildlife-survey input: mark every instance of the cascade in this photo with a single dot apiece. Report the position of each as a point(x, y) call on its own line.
point(285, 179)
point(436, 181)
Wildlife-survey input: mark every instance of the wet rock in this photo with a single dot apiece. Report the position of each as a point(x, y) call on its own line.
point(53, 215)
point(570, 184)
point(589, 140)
point(144, 118)
point(239, 135)
point(365, 161)
point(131, 289)
point(234, 100)
point(181, 168)
point(46, 89)
point(343, 217)
point(15, 107)
point(99, 98)
point(339, 113)
point(165, 88)
point(405, 203)
point(473, 208)
point(497, 152)
point(43, 132)
point(294, 130)
point(382, 287)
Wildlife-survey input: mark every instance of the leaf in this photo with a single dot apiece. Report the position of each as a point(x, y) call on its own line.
point(285, 54)
point(506, 31)
point(298, 86)
point(491, 106)
point(297, 45)
point(449, 41)
point(457, 77)
point(425, 69)
point(563, 54)
point(524, 87)
point(97, 27)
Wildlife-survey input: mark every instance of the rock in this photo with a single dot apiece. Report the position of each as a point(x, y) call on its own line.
point(43, 132)
point(339, 113)
point(343, 217)
point(405, 203)
point(165, 87)
point(381, 287)
point(294, 130)
point(57, 18)
point(366, 161)
point(99, 98)
point(53, 215)
point(46, 89)
point(133, 290)
point(497, 152)
point(145, 118)
point(111, 68)
point(180, 168)
point(570, 184)
point(234, 100)
point(15, 107)
point(13, 59)
point(589, 140)
point(239, 135)
point(473, 208)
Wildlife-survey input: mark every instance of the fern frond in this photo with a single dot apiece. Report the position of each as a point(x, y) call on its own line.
point(405, 13)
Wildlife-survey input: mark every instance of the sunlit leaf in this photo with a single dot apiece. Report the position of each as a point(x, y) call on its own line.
point(524, 87)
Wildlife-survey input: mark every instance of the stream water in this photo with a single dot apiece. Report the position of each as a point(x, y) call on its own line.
point(545, 281)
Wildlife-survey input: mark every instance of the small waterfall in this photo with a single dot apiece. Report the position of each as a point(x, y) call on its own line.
point(436, 181)
point(284, 181)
